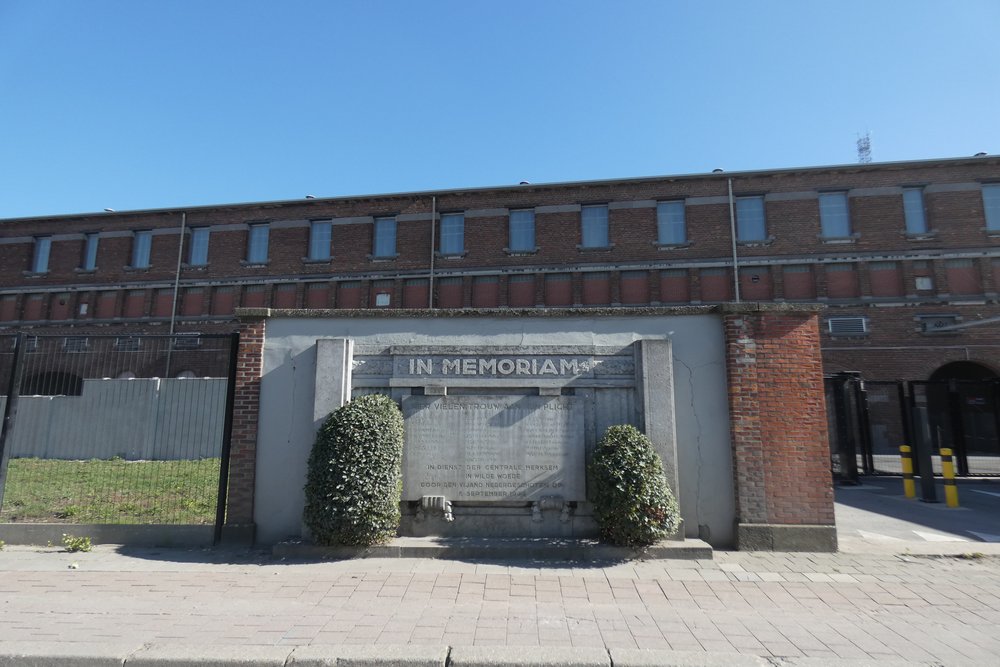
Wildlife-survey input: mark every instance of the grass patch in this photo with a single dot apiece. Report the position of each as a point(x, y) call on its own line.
point(113, 491)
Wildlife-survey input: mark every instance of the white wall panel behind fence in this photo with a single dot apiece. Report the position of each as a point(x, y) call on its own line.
point(139, 419)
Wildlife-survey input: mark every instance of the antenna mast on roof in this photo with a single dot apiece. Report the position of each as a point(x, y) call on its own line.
point(865, 148)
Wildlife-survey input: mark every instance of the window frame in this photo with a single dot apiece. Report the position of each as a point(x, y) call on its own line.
point(41, 254)
point(909, 217)
point(665, 224)
point(258, 234)
point(379, 244)
point(991, 207)
point(320, 248)
point(91, 243)
point(142, 248)
point(198, 241)
point(742, 220)
point(456, 230)
point(835, 215)
point(521, 240)
point(589, 238)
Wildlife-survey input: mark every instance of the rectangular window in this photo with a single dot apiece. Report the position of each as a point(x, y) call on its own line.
point(40, 261)
point(991, 205)
point(670, 226)
point(847, 326)
point(913, 210)
point(384, 244)
point(750, 222)
point(90, 252)
point(833, 215)
point(452, 233)
point(141, 244)
point(320, 236)
point(198, 250)
point(594, 226)
point(522, 231)
point(257, 244)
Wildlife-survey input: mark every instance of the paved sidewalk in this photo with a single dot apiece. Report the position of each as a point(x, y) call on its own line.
point(838, 606)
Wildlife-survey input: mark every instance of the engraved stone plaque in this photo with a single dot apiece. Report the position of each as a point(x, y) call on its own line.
point(493, 448)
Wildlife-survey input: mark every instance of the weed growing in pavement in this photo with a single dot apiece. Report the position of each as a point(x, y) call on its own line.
point(73, 544)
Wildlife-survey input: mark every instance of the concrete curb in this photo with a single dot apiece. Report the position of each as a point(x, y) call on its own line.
point(462, 548)
point(94, 654)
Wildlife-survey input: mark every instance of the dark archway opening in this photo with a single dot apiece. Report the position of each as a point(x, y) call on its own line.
point(963, 400)
point(52, 383)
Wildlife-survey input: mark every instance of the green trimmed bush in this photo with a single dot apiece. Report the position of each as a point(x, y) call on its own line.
point(633, 505)
point(354, 481)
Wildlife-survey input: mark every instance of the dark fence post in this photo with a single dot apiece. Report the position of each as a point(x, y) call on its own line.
point(10, 409)
point(227, 436)
point(865, 427)
point(922, 431)
point(846, 448)
point(955, 414)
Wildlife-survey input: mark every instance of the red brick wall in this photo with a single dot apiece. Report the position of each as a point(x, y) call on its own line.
point(246, 405)
point(415, 293)
point(486, 292)
point(777, 417)
point(558, 290)
point(521, 291)
point(596, 289)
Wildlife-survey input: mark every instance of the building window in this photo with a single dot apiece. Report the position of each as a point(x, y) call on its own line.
point(40, 260)
point(320, 236)
point(90, 252)
point(991, 205)
point(750, 222)
point(670, 227)
point(452, 233)
point(913, 210)
point(847, 327)
point(257, 244)
point(384, 244)
point(141, 244)
point(833, 215)
point(522, 231)
point(594, 226)
point(198, 250)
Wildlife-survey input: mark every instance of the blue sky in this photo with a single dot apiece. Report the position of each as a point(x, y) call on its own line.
point(137, 104)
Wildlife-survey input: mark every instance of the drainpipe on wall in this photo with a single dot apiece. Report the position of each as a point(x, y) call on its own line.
point(430, 281)
point(732, 233)
point(177, 280)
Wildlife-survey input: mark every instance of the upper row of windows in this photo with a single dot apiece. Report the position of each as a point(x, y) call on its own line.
point(751, 226)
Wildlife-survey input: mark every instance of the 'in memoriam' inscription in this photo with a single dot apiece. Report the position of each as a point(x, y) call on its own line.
point(492, 366)
point(493, 448)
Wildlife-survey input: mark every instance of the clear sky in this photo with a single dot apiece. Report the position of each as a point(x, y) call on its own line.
point(134, 104)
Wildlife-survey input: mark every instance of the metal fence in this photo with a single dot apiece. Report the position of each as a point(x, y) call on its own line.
point(870, 420)
point(115, 429)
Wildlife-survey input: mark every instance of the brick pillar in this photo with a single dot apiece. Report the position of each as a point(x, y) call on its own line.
point(246, 406)
point(777, 413)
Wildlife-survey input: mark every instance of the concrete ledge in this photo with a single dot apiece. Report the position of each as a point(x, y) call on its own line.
point(136, 535)
point(239, 535)
point(483, 548)
point(785, 537)
point(534, 656)
point(656, 658)
point(64, 654)
point(342, 655)
point(210, 655)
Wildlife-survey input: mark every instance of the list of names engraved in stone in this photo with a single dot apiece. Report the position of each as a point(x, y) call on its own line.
point(493, 447)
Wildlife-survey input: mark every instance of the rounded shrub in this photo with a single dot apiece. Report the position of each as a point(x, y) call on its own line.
point(354, 482)
point(633, 505)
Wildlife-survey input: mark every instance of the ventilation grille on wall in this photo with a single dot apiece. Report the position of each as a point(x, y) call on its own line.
point(75, 344)
point(930, 324)
point(127, 344)
point(187, 341)
point(848, 326)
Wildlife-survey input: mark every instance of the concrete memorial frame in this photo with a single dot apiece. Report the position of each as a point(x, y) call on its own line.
point(730, 395)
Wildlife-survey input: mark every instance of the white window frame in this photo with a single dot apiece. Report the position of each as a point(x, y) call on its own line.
point(257, 243)
point(384, 244)
point(991, 206)
point(452, 234)
point(320, 240)
point(40, 258)
point(90, 245)
point(594, 226)
point(142, 246)
point(834, 215)
point(521, 230)
point(671, 222)
point(914, 211)
point(751, 213)
point(198, 248)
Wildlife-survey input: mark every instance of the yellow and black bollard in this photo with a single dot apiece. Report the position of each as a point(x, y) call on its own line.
point(948, 472)
point(909, 486)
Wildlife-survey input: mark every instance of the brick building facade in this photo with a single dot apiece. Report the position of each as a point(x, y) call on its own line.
point(906, 256)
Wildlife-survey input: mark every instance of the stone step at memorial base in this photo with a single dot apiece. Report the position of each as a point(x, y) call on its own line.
point(500, 549)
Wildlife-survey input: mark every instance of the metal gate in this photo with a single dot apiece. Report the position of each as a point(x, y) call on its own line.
point(869, 420)
point(116, 429)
